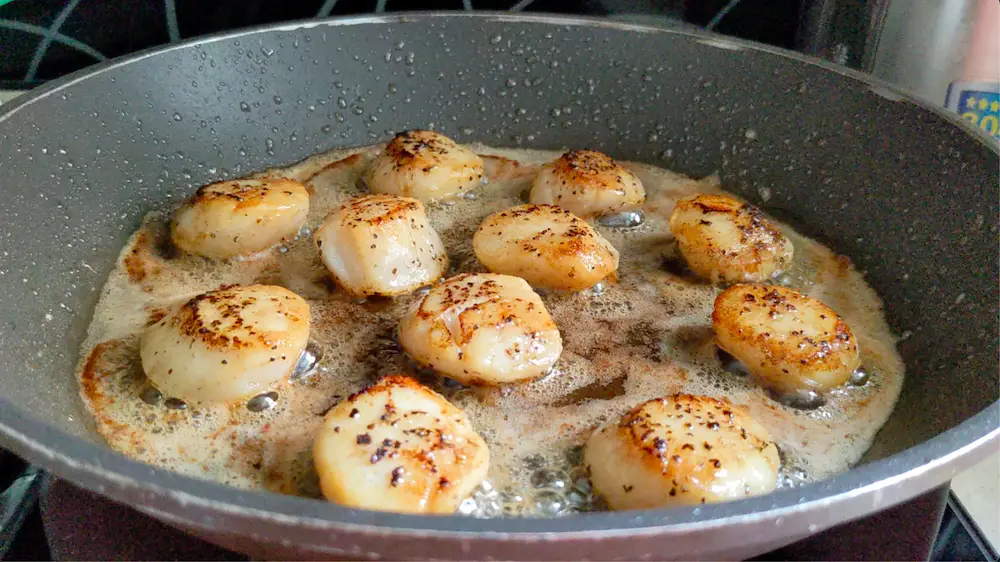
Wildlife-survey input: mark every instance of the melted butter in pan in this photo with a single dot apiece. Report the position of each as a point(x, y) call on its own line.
point(645, 334)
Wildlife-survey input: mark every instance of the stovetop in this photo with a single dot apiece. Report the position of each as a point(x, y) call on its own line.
point(44, 39)
point(43, 518)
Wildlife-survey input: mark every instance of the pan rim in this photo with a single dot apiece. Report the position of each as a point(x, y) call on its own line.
point(886, 89)
point(880, 484)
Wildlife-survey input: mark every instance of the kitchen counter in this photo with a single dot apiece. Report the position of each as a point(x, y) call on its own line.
point(977, 488)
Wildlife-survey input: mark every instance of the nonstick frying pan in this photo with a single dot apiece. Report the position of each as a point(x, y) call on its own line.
point(905, 190)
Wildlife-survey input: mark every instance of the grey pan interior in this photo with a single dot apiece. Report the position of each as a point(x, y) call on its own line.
point(904, 190)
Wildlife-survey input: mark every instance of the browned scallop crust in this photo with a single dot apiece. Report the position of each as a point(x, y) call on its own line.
point(493, 310)
point(240, 217)
point(482, 328)
point(425, 165)
point(788, 339)
point(229, 303)
point(244, 193)
point(591, 169)
point(400, 446)
point(376, 210)
point(545, 245)
point(418, 149)
point(754, 251)
point(678, 450)
point(679, 456)
point(388, 241)
point(435, 444)
point(588, 183)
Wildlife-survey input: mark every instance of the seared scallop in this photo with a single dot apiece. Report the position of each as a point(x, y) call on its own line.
point(587, 183)
point(426, 165)
point(484, 329)
point(545, 245)
point(240, 217)
point(725, 240)
point(790, 341)
point(399, 446)
point(381, 245)
point(226, 345)
point(681, 450)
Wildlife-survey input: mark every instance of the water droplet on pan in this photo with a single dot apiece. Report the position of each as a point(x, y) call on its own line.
point(548, 479)
point(624, 219)
point(800, 399)
point(307, 362)
point(262, 402)
point(150, 395)
point(175, 404)
point(549, 503)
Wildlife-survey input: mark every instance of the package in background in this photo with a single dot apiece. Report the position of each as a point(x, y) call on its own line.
point(977, 102)
point(976, 97)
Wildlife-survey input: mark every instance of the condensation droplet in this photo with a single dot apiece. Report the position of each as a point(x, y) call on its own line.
point(262, 402)
point(175, 404)
point(307, 362)
point(623, 219)
point(151, 395)
point(800, 399)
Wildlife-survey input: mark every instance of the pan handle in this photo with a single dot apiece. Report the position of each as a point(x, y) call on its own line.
point(16, 503)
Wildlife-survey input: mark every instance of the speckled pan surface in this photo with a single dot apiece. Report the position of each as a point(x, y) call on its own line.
point(903, 190)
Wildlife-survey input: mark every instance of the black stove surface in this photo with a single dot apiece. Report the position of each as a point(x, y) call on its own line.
point(44, 39)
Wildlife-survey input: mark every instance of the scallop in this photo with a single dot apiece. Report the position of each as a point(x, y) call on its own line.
point(241, 217)
point(426, 165)
point(681, 450)
point(399, 446)
point(226, 345)
point(791, 342)
point(545, 245)
point(485, 329)
point(587, 183)
point(725, 240)
point(381, 245)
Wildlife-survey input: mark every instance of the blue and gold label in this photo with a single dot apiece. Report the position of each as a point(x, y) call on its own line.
point(980, 107)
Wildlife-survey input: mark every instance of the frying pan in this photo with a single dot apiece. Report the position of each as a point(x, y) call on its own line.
point(905, 190)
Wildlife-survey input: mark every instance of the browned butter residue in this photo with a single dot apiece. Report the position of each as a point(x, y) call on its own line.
point(648, 334)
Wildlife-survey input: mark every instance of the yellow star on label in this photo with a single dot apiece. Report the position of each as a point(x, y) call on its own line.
point(995, 106)
point(970, 103)
point(983, 104)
